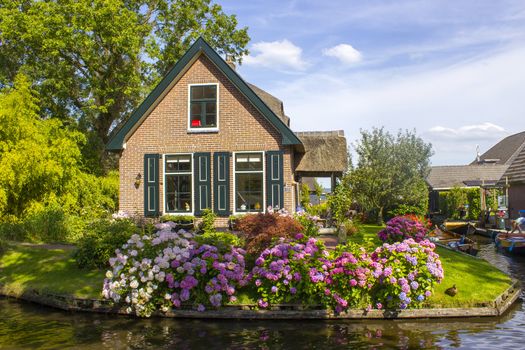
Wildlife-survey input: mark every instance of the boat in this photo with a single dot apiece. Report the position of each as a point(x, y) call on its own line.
point(461, 227)
point(510, 243)
point(454, 241)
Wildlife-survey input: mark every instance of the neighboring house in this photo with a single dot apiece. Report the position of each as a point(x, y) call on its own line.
point(510, 152)
point(204, 138)
point(444, 178)
point(503, 165)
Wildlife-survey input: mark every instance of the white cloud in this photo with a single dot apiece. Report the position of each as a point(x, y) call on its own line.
point(344, 53)
point(480, 100)
point(468, 133)
point(276, 54)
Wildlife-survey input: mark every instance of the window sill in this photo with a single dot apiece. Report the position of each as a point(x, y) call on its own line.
point(203, 130)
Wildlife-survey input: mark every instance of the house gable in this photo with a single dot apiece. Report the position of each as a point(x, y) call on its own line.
point(198, 49)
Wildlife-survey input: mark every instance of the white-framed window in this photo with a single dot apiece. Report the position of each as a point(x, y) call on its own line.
point(178, 183)
point(203, 107)
point(249, 189)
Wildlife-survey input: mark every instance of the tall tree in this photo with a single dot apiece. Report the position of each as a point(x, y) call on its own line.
point(92, 61)
point(318, 188)
point(390, 171)
point(39, 159)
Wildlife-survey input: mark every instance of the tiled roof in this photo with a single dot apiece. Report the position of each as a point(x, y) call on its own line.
point(516, 170)
point(506, 150)
point(446, 177)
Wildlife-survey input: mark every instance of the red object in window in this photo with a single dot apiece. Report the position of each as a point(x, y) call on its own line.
point(195, 122)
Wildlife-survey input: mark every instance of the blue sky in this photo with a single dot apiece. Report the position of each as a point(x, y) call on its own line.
point(452, 70)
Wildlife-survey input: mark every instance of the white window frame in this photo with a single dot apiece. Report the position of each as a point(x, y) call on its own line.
point(164, 212)
point(234, 190)
point(201, 130)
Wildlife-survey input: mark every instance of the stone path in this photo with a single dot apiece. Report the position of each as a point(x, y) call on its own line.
point(329, 237)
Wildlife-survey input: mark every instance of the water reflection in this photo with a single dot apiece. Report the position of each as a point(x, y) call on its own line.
point(24, 325)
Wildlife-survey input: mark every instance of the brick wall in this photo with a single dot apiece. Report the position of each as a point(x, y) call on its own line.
point(241, 128)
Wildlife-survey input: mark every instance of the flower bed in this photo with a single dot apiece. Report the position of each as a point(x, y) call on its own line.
point(170, 269)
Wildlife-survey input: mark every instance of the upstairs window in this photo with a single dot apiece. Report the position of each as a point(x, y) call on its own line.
point(203, 106)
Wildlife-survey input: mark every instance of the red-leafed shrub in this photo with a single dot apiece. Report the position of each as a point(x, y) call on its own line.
point(259, 230)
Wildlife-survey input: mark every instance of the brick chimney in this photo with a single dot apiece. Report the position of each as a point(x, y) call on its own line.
point(230, 61)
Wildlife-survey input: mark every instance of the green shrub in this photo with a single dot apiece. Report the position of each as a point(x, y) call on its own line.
point(309, 223)
point(405, 209)
point(320, 210)
point(3, 246)
point(452, 201)
point(207, 225)
point(305, 195)
point(11, 228)
point(222, 240)
point(340, 202)
point(100, 241)
point(177, 218)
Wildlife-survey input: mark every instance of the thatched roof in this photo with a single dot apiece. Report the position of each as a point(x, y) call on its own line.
point(446, 177)
point(325, 152)
point(272, 102)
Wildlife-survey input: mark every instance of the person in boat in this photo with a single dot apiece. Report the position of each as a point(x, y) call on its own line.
point(519, 223)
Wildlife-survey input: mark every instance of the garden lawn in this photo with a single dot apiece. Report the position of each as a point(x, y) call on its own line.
point(477, 281)
point(47, 270)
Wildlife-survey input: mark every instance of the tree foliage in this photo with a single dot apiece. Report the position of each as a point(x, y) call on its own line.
point(390, 171)
point(93, 61)
point(41, 180)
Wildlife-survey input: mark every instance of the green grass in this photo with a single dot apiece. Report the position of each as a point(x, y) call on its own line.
point(477, 281)
point(48, 270)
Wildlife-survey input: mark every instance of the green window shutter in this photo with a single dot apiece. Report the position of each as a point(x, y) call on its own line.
point(202, 181)
point(151, 184)
point(274, 179)
point(221, 183)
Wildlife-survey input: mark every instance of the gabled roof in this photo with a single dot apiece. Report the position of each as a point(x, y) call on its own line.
point(325, 152)
point(200, 46)
point(446, 177)
point(504, 151)
point(516, 170)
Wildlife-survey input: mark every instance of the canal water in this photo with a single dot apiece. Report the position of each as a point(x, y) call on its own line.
point(29, 326)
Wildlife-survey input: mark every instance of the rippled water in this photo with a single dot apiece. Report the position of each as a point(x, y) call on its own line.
point(25, 325)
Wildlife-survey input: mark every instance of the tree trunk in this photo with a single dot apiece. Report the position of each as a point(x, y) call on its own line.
point(380, 216)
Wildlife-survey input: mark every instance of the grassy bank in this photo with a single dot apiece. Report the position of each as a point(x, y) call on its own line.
point(51, 270)
point(54, 270)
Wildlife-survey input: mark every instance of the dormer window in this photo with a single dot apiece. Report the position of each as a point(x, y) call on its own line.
point(203, 107)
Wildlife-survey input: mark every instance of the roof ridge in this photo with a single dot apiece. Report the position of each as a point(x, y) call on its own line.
point(321, 133)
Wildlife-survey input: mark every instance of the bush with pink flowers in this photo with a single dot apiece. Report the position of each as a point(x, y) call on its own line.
point(410, 271)
point(400, 228)
point(352, 275)
point(292, 271)
point(169, 269)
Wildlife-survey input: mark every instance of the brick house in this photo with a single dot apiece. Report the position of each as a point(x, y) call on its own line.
point(204, 138)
